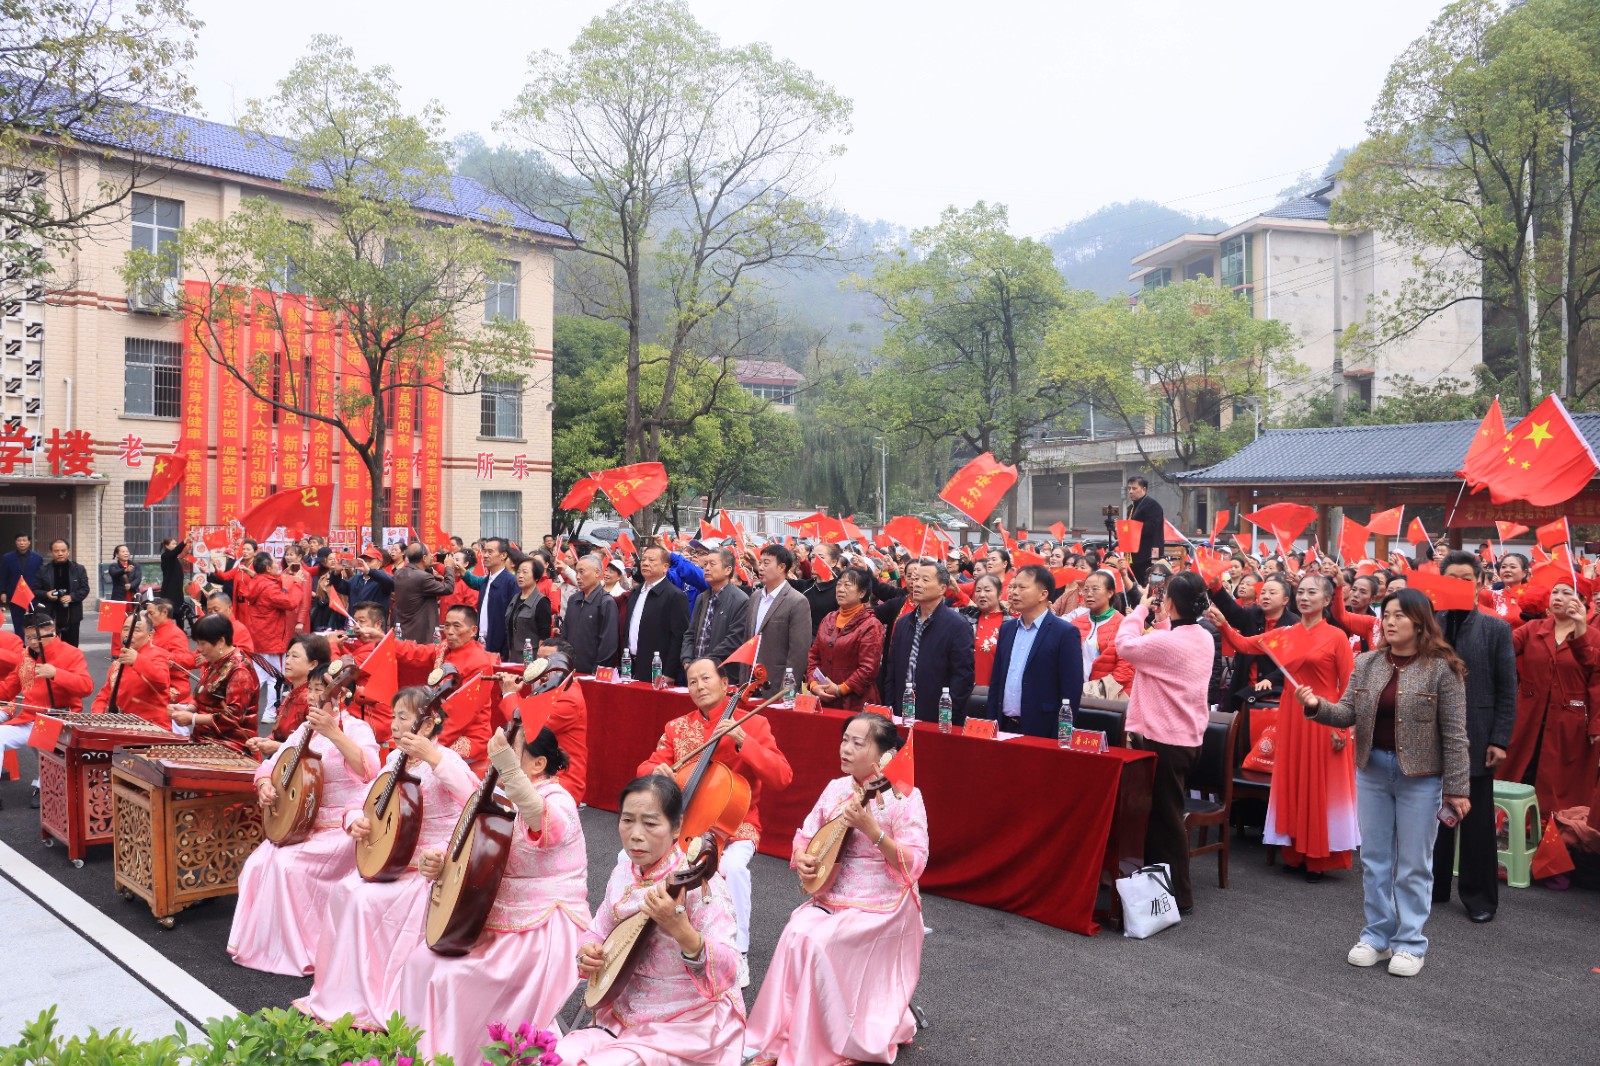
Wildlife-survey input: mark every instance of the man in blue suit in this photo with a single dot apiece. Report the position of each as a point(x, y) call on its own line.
point(1038, 662)
point(496, 592)
point(932, 646)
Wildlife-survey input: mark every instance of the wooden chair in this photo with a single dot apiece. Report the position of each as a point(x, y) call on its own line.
point(1212, 777)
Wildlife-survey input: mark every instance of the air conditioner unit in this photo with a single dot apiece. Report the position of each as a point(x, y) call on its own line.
point(155, 298)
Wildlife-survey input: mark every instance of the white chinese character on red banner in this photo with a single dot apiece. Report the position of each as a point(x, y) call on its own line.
point(519, 466)
point(485, 465)
point(388, 462)
point(132, 453)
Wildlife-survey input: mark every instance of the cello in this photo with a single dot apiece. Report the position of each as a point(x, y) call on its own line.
point(480, 846)
point(715, 799)
point(298, 776)
point(393, 806)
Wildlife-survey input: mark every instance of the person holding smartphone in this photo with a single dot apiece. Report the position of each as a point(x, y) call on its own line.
point(1408, 703)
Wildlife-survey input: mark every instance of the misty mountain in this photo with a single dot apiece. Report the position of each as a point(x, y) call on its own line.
point(1095, 251)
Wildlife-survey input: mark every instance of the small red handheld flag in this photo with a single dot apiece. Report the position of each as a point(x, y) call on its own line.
point(336, 602)
point(821, 570)
point(1059, 531)
point(1551, 534)
point(1353, 541)
point(1550, 859)
point(1415, 533)
point(1483, 455)
point(1286, 521)
point(745, 653)
point(22, 596)
point(113, 616)
point(1129, 532)
point(46, 730)
point(1447, 593)
point(168, 475)
point(1220, 524)
point(1509, 530)
point(380, 671)
point(1287, 644)
point(902, 769)
point(1387, 523)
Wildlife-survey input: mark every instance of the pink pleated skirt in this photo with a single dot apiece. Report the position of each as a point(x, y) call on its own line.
point(712, 1035)
point(508, 977)
point(369, 930)
point(283, 896)
point(839, 987)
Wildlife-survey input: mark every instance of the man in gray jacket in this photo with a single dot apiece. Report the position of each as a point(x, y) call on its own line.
point(416, 596)
point(782, 618)
point(1483, 642)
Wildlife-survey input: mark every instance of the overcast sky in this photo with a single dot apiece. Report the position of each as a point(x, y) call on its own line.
point(1054, 109)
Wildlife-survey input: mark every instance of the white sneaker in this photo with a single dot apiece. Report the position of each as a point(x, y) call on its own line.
point(1405, 964)
point(744, 970)
point(1364, 954)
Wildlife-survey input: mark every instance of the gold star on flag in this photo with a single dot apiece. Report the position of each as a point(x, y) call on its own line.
point(1539, 433)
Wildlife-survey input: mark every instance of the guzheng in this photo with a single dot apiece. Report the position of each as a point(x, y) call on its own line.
point(186, 821)
point(75, 777)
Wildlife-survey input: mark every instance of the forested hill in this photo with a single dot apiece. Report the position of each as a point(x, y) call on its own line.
point(1095, 251)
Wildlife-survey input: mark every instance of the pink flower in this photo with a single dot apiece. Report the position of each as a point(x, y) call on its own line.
point(497, 1033)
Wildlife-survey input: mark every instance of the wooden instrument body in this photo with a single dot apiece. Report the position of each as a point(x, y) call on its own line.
point(396, 828)
point(293, 814)
point(461, 899)
point(826, 846)
point(719, 804)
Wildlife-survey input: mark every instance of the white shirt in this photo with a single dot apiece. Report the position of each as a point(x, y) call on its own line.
point(761, 608)
point(637, 614)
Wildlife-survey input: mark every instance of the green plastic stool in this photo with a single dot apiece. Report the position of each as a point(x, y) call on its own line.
point(1521, 837)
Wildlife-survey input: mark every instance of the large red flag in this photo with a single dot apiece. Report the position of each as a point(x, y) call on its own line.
point(1483, 455)
point(310, 507)
point(1353, 541)
point(580, 496)
point(1548, 461)
point(1447, 593)
point(1286, 521)
point(1387, 523)
point(979, 486)
point(632, 487)
point(1415, 533)
point(168, 475)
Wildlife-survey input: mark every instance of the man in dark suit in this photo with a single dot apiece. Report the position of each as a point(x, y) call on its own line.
point(21, 565)
point(62, 585)
point(416, 596)
point(717, 622)
point(656, 618)
point(931, 646)
point(1483, 642)
point(1144, 509)
point(1038, 661)
point(781, 616)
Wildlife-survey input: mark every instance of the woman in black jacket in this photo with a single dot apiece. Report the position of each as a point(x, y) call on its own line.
point(528, 614)
point(1256, 675)
point(124, 574)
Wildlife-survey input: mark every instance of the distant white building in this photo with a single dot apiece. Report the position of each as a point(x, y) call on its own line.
point(770, 380)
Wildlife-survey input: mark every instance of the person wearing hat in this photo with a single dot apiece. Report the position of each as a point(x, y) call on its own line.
point(368, 582)
point(615, 579)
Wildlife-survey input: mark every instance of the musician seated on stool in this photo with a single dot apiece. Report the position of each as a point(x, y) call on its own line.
point(569, 718)
point(139, 680)
point(308, 654)
point(681, 1002)
point(223, 710)
point(51, 675)
point(748, 750)
point(867, 923)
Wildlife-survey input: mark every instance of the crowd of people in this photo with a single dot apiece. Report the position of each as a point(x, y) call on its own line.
point(1393, 721)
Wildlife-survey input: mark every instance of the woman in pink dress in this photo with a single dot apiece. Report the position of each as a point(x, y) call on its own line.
point(283, 891)
point(681, 1005)
point(372, 926)
point(520, 970)
point(840, 984)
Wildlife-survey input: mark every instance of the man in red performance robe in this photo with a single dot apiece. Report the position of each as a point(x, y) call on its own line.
point(749, 751)
point(569, 718)
point(53, 675)
point(466, 730)
point(224, 707)
point(368, 618)
point(169, 637)
point(146, 673)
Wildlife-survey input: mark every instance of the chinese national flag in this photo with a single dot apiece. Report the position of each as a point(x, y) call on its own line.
point(217, 540)
point(1220, 524)
point(46, 730)
point(821, 570)
point(1286, 521)
point(1213, 565)
point(1552, 534)
point(1006, 538)
point(979, 486)
point(1447, 593)
point(1245, 541)
point(851, 530)
point(380, 672)
point(1172, 533)
point(1023, 557)
point(534, 711)
point(709, 532)
point(1353, 541)
point(1058, 531)
point(632, 487)
point(902, 769)
point(1129, 532)
point(1069, 575)
point(22, 596)
point(168, 475)
point(580, 496)
point(310, 507)
point(727, 526)
point(1387, 523)
point(624, 546)
point(1550, 859)
point(1288, 644)
point(1415, 534)
point(113, 617)
point(472, 698)
point(905, 529)
point(810, 525)
point(746, 652)
point(1546, 460)
point(831, 531)
point(1484, 452)
point(1510, 531)
point(336, 602)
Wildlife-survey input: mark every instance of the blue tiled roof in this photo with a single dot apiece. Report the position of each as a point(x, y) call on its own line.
point(1421, 451)
point(196, 140)
point(1312, 206)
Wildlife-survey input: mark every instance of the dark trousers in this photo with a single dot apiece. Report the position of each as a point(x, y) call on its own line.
point(1480, 875)
point(1165, 838)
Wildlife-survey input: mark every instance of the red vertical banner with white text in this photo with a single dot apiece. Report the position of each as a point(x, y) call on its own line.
point(430, 523)
point(319, 456)
point(230, 414)
point(355, 490)
point(294, 371)
point(195, 432)
point(261, 439)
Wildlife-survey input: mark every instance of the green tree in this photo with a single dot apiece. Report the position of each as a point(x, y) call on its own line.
point(1405, 400)
point(77, 76)
point(687, 165)
point(968, 306)
point(407, 291)
point(1179, 364)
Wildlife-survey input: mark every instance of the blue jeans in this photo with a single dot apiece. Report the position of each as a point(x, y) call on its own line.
point(1399, 818)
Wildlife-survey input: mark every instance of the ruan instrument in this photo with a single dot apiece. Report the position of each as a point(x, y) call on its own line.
point(298, 775)
point(829, 841)
point(715, 799)
point(393, 807)
point(623, 947)
point(475, 859)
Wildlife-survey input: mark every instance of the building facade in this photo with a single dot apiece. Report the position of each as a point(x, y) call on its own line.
point(95, 380)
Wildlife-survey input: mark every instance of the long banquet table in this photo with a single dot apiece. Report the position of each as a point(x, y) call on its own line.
point(1018, 825)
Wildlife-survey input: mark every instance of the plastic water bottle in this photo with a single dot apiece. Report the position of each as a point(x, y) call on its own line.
point(627, 666)
point(1064, 725)
point(788, 683)
point(655, 667)
point(908, 706)
point(527, 651)
point(947, 711)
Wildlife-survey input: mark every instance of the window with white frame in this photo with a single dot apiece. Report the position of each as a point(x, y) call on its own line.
point(501, 408)
point(144, 528)
point(152, 378)
point(156, 223)
point(500, 514)
point(500, 293)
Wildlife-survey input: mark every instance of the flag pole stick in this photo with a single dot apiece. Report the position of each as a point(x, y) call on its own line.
point(1451, 516)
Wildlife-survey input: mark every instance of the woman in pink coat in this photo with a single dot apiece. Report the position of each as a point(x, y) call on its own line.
point(520, 970)
point(681, 1005)
point(840, 984)
point(371, 926)
point(283, 891)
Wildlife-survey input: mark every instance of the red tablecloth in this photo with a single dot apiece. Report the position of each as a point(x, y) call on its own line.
point(1018, 825)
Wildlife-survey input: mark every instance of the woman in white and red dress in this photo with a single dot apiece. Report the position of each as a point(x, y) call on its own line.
point(370, 927)
point(283, 891)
